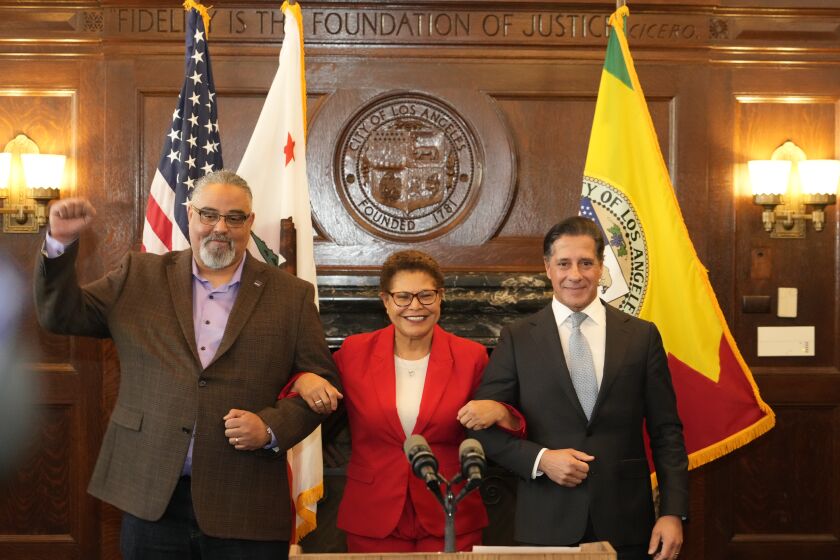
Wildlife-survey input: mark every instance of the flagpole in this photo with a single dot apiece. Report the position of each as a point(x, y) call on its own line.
point(618, 3)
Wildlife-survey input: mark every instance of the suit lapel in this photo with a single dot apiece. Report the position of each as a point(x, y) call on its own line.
point(437, 378)
point(383, 378)
point(548, 338)
point(179, 276)
point(251, 285)
point(616, 347)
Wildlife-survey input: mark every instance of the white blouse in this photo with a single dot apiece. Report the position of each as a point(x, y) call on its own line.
point(411, 377)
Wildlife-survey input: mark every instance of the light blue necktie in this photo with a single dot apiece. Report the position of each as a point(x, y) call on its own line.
point(581, 366)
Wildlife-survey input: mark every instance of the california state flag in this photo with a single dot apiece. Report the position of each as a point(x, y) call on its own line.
point(652, 269)
point(274, 165)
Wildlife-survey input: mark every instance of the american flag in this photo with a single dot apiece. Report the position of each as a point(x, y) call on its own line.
point(191, 147)
point(587, 211)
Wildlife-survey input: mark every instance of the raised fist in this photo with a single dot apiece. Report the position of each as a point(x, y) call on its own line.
point(69, 217)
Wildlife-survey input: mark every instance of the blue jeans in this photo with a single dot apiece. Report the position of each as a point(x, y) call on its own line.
point(176, 536)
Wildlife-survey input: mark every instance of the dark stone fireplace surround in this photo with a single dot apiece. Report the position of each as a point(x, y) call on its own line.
point(475, 306)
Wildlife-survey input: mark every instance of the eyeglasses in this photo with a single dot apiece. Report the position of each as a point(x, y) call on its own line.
point(211, 217)
point(404, 299)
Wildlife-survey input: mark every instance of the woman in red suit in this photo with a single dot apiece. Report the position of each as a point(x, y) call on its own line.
point(411, 377)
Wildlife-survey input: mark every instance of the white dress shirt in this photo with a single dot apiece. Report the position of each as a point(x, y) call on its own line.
point(594, 328)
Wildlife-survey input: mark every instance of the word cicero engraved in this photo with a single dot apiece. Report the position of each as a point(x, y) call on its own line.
point(407, 167)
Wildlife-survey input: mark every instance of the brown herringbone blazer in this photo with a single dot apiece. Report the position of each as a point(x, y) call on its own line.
point(145, 306)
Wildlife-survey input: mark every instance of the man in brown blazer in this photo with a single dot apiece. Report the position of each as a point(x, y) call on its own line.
point(207, 338)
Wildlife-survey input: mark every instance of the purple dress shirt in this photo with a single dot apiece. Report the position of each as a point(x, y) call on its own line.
point(211, 310)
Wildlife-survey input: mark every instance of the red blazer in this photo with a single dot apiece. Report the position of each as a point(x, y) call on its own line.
point(379, 478)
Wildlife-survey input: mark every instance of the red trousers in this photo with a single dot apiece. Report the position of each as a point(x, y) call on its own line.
point(410, 536)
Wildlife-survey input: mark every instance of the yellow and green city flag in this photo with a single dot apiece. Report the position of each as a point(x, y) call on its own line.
point(652, 269)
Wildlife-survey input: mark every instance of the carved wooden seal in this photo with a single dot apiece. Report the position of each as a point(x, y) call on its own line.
point(408, 167)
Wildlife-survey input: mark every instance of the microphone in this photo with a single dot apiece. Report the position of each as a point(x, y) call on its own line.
point(473, 463)
point(422, 460)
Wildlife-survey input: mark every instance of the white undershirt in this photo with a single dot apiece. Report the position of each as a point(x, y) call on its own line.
point(411, 377)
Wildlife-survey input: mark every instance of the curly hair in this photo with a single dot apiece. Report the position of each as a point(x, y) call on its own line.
point(412, 261)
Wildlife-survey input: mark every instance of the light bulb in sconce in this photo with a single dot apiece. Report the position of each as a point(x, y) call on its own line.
point(28, 181)
point(769, 180)
point(43, 171)
point(819, 186)
point(819, 176)
point(785, 207)
point(769, 177)
point(43, 174)
point(5, 173)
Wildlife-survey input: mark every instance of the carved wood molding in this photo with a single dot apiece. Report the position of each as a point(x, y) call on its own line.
point(690, 25)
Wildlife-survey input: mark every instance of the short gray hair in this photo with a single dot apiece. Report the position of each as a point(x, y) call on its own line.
point(221, 177)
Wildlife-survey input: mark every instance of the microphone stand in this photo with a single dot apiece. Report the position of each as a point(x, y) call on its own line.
point(449, 501)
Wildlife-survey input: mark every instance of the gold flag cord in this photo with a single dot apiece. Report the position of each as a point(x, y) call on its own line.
point(201, 9)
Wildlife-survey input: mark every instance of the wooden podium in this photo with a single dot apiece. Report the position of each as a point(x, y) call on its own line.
point(588, 551)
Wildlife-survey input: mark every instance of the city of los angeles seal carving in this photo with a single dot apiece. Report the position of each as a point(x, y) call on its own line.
point(624, 281)
point(408, 168)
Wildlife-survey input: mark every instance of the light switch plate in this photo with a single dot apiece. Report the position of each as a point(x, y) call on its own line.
point(786, 341)
point(787, 302)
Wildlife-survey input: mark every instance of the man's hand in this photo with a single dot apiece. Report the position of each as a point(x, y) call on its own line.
point(478, 415)
point(69, 217)
point(245, 430)
point(667, 538)
point(566, 467)
point(317, 392)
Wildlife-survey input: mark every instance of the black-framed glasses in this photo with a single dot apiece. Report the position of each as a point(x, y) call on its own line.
point(211, 217)
point(404, 299)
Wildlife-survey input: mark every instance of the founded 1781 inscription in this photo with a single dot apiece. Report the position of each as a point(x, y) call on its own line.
point(407, 167)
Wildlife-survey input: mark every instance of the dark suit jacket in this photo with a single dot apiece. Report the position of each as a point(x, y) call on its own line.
point(145, 306)
point(379, 477)
point(528, 370)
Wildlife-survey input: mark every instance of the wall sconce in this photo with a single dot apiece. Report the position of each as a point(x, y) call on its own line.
point(28, 180)
point(789, 184)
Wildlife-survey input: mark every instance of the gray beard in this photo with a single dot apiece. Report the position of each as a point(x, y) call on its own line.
point(219, 258)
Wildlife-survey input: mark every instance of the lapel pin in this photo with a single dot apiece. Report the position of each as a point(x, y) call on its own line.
point(258, 283)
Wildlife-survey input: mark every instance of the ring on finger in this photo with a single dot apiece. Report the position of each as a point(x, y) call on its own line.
point(236, 441)
point(319, 402)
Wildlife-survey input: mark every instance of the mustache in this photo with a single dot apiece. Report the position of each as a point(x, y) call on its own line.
point(217, 237)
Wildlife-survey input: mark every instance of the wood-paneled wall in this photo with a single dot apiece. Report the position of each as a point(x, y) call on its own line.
point(726, 81)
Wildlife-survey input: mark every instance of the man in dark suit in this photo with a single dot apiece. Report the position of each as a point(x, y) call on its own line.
point(207, 338)
point(588, 379)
